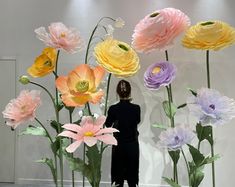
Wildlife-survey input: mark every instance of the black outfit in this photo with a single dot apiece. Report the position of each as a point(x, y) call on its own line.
point(125, 117)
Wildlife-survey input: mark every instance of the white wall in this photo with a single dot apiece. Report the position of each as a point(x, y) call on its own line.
point(18, 20)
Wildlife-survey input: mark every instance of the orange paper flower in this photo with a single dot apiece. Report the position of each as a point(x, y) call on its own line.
point(208, 35)
point(80, 86)
point(43, 64)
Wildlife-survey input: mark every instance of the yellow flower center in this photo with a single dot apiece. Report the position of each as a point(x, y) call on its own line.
point(23, 109)
point(125, 48)
point(47, 63)
point(62, 35)
point(90, 134)
point(155, 14)
point(156, 70)
point(82, 86)
point(207, 23)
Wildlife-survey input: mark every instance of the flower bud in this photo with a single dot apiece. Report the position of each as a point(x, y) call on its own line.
point(24, 79)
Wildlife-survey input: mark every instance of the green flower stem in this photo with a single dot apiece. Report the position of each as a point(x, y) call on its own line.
point(59, 127)
point(54, 104)
point(107, 94)
point(212, 146)
point(55, 158)
point(91, 37)
point(186, 162)
point(71, 121)
point(170, 100)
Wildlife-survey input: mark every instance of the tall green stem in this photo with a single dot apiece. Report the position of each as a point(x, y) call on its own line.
point(212, 145)
point(59, 127)
point(71, 121)
point(186, 162)
point(107, 95)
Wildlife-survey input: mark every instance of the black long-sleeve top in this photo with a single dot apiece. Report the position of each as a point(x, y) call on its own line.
point(125, 117)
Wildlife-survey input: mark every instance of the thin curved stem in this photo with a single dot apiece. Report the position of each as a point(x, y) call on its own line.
point(170, 109)
point(107, 94)
point(186, 162)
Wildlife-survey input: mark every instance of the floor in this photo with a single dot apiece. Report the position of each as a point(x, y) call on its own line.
point(23, 185)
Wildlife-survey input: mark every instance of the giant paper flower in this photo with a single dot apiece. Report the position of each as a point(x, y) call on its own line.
point(211, 108)
point(159, 74)
point(174, 138)
point(88, 132)
point(60, 37)
point(208, 35)
point(117, 57)
point(80, 86)
point(159, 29)
point(43, 64)
point(22, 108)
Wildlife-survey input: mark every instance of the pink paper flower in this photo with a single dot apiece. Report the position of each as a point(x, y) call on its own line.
point(88, 132)
point(159, 29)
point(60, 37)
point(22, 108)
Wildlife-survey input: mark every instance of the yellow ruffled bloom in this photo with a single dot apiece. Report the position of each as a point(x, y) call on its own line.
point(209, 35)
point(43, 64)
point(117, 57)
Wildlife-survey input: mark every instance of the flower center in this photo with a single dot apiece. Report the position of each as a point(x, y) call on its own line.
point(125, 48)
point(82, 86)
point(154, 14)
point(207, 23)
point(212, 106)
point(47, 63)
point(156, 70)
point(62, 35)
point(90, 134)
point(177, 139)
point(23, 109)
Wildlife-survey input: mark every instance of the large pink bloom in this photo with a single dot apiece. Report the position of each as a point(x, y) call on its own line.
point(22, 108)
point(159, 29)
point(60, 37)
point(88, 132)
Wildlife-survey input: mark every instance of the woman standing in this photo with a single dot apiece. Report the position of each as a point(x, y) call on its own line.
point(125, 117)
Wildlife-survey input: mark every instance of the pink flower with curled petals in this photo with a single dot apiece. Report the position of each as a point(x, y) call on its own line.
point(89, 132)
point(159, 29)
point(60, 37)
point(22, 108)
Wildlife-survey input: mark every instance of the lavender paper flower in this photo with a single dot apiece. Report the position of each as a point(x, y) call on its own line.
point(211, 108)
point(174, 138)
point(159, 74)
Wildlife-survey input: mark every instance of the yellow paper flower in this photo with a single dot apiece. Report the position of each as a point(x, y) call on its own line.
point(43, 64)
point(81, 85)
point(208, 35)
point(117, 57)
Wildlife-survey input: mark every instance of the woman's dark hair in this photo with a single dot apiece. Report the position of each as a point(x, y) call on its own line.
point(124, 89)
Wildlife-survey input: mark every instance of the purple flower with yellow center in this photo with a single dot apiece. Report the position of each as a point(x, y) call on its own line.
point(174, 138)
point(211, 108)
point(159, 74)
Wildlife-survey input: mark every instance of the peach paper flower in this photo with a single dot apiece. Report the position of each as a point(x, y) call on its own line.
point(22, 108)
point(159, 29)
point(208, 35)
point(89, 132)
point(80, 86)
point(60, 37)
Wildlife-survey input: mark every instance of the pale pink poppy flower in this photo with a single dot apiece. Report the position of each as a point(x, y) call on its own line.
point(60, 37)
point(89, 132)
point(22, 108)
point(159, 29)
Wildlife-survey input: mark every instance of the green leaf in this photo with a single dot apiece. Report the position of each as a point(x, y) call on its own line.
point(36, 131)
point(55, 125)
point(182, 106)
point(192, 91)
point(175, 155)
point(160, 126)
point(196, 177)
point(204, 133)
point(55, 145)
point(196, 155)
point(209, 160)
point(166, 108)
point(171, 182)
point(60, 104)
point(50, 164)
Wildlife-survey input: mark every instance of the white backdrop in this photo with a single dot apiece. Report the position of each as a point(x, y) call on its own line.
point(18, 20)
